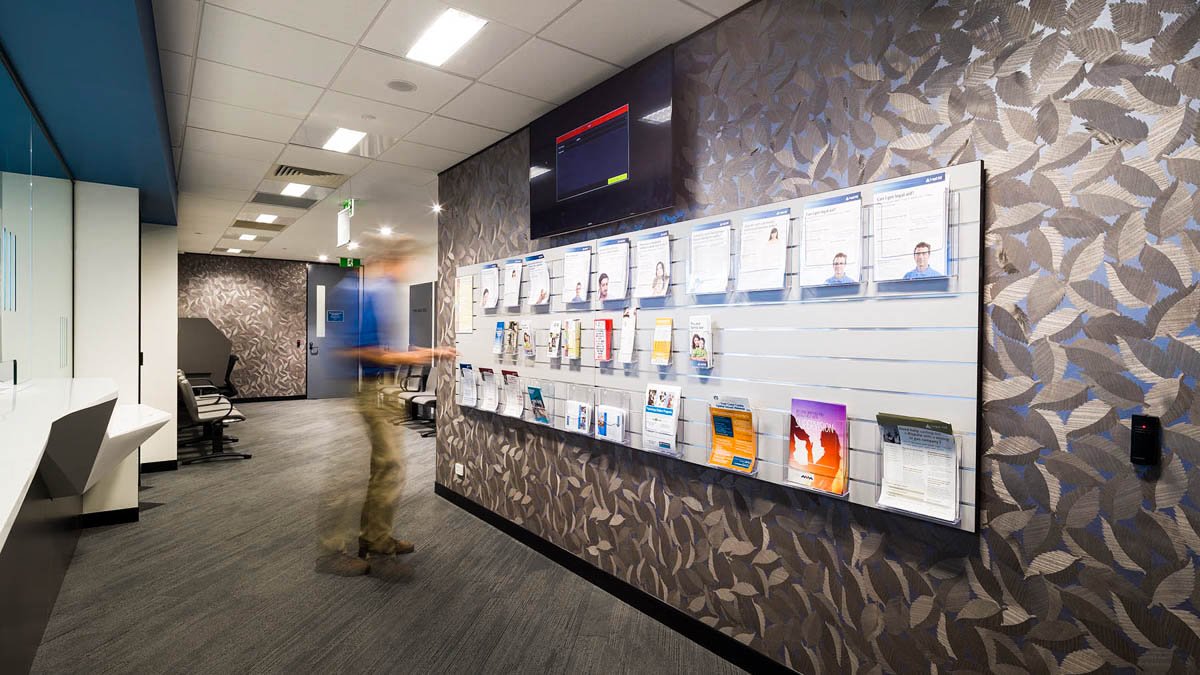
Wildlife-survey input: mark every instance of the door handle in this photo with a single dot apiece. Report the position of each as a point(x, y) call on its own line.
point(313, 349)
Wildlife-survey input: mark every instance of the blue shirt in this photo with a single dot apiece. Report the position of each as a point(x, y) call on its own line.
point(915, 273)
point(834, 281)
point(378, 326)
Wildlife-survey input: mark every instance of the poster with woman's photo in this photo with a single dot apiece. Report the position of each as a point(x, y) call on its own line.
point(653, 265)
point(660, 419)
point(762, 262)
point(539, 280)
point(831, 241)
point(489, 278)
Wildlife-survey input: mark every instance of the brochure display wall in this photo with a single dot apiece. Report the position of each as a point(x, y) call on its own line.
point(897, 347)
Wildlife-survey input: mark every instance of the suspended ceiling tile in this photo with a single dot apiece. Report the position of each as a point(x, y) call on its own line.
point(625, 31)
point(528, 16)
point(491, 107)
point(401, 24)
point(718, 8)
point(204, 140)
point(354, 112)
point(177, 110)
point(422, 156)
point(344, 20)
point(231, 119)
point(208, 169)
point(176, 72)
point(451, 134)
point(367, 74)
point(176, 23)
point(548, 72)
point(322, 160)
point(380, 179)
point(236, 86)
point(262, 46)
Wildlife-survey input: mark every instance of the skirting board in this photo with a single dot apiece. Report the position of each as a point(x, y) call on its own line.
point(102, 518)
point(155, 467)
point(264, 399)
point(686, 625)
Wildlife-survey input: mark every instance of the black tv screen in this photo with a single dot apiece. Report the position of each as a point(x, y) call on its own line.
point(606, 154)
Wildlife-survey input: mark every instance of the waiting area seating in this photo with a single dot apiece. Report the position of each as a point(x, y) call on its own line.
point(204, 414)
point(411, 399)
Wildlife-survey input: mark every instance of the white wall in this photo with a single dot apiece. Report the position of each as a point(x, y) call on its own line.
point(160, 334)
point(107, 237)
point(38, 211)
point(422, 269)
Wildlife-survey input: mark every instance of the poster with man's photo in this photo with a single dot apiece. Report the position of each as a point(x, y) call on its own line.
point(911, 229)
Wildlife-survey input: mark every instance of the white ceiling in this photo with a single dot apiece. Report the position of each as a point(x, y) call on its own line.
point(245, 79)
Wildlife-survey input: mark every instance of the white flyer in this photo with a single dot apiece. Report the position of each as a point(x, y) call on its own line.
point(910, 229)
point(554, 341)
point(579, 417)
point(653, 265)
point(466, 385)
point(539, 280)
point(831, 241)
point(612, 260)
point(628, 335)
point(610, 423)
point(577, 269)
point(489, 278)
point(708, 264)
point(489, 396)
point(762, 263)
point(919, 466)
point(512, 283)
point(514, 394)
point(660, 421)
point(464, 301)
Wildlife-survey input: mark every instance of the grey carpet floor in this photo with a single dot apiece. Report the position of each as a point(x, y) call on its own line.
point(219, 576)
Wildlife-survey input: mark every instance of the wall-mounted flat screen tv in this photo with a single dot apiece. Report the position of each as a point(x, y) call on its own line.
point(606, 154)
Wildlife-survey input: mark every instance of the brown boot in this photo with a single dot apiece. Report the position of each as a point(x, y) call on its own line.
point(389, 546)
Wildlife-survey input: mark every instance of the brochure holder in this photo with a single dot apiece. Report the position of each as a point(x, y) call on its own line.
point(569, 419)
point(954, 487)
point(677, 451)
point(608, 402)
point(539, 406)
point(693, 285)
point(503, 396)
point(789, 242)
point(922, 283)
point(460, 383)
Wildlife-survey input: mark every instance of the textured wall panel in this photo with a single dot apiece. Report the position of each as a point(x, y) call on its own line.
point(1085, 116)
point(261, 306)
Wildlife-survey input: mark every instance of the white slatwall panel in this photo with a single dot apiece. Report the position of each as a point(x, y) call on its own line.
point(908, 348)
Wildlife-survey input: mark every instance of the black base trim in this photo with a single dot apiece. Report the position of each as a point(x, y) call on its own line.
point(264, 399)
point(686, 625)
point(102, 518)
point(155, 467)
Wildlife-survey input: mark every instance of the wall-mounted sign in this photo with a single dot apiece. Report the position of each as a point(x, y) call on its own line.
point(350, 262)
point(335, 316)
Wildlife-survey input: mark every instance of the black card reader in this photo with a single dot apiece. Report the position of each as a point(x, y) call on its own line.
point(1145, 440)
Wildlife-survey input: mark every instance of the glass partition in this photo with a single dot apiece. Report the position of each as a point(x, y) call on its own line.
point(36, 240)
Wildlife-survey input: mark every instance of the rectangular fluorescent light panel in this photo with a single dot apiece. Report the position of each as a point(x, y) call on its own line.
point(295, 190)
point(446, 36)
point(233, 250)
point(660, 116)
point(344, 140)
point(535, 171)
point(247, 237)
point(266, 218)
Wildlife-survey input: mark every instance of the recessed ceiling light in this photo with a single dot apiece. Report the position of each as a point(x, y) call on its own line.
point(660, 116)
point(233, 250)
point(294, 190)
point(447, 35)
point(248, 237)
point(436, 208)
point(402, 86)
point(385, 230)
point(322, 257)
point(344, 140)
point(352, 245)
point(266, 218)
point(535, 171)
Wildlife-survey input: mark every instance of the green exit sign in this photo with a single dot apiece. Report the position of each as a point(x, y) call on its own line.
point(350, 262)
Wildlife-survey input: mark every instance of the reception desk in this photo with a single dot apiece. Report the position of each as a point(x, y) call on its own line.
point(57, 438)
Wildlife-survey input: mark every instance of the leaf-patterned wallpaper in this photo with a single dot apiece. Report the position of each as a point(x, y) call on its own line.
point(262, 306)
point(1085, 115)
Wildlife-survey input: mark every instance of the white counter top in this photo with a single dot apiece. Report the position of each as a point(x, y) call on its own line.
point(26, 414)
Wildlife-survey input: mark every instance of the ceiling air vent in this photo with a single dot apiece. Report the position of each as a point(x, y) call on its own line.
point(299, 174)
point(283, 200)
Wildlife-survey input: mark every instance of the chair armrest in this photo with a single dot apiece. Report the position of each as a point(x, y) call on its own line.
point(200, 389)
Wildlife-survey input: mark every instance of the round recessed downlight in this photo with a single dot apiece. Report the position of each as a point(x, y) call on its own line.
point(403, 86)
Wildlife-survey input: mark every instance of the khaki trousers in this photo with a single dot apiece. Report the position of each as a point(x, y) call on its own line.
point(344, 515)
